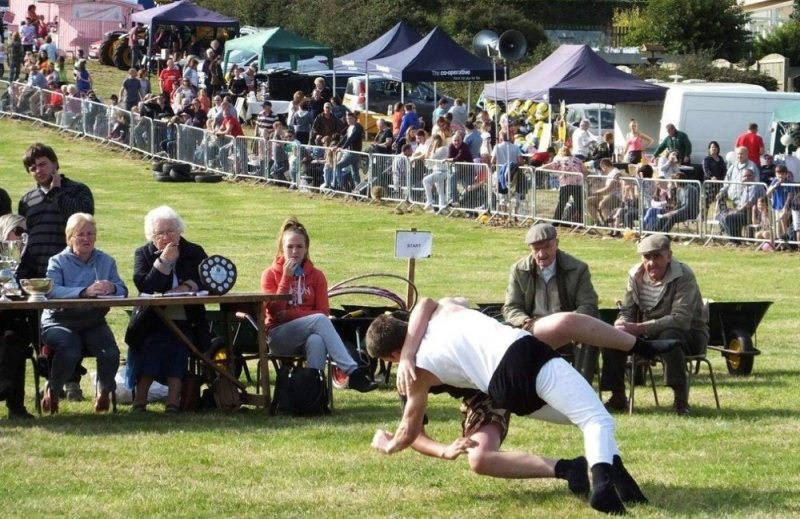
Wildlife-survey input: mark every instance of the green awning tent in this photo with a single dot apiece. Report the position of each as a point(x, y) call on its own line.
point(278, 45)
point(788, 113)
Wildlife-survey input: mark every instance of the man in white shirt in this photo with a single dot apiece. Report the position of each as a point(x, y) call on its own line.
point(582, 138)
point(446, 343)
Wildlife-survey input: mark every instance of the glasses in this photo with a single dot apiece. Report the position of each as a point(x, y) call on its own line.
point(167, 232)
point(19, 231)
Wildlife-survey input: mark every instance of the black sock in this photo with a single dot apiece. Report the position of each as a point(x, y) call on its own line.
point(575, 471)
point(627, 488)
point(604, 496)
point(641, 347)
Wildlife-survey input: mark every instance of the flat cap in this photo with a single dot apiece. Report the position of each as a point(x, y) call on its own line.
point(540, 232)
point(652, 243)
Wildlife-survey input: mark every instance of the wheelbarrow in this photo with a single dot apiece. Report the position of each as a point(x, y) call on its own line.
point(732, 329)
point(351, 322)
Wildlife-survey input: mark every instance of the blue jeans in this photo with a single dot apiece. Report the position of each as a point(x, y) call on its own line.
point(313, 336)
point(351, 160)
point(68, 346)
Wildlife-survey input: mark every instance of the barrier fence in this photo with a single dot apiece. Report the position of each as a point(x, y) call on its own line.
point(713, 210)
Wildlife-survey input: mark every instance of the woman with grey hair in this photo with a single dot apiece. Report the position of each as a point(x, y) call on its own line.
point(167, 264)
point(81, 271)
point(15, 337)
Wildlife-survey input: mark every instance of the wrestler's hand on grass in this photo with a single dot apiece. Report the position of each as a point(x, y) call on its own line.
point(380, 440)
point(406, 374)
point(458, 447)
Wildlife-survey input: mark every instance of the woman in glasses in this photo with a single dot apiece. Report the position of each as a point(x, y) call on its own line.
point(81, 271)
point(167, 264)
point(15, 337)
point(301, 326)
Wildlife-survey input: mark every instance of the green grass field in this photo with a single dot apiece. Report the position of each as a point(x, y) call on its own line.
point(738, 462)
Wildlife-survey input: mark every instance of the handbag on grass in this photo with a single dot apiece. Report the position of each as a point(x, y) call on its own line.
point(300, 391)
point(226, 394)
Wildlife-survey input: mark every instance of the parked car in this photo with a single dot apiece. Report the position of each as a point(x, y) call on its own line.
point(244, 58)
point(600, 117)
point(385, 93)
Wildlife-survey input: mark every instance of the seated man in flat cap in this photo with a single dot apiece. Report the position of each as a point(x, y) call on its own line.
point(547, 281)
point(662, 301)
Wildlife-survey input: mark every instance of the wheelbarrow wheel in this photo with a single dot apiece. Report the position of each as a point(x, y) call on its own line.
point(740, 365)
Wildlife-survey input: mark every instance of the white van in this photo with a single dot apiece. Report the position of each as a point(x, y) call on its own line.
point(600, 117)
point(705, 112)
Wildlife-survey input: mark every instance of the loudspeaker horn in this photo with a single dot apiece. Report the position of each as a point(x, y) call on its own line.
point(512, 45)
point(485, 43)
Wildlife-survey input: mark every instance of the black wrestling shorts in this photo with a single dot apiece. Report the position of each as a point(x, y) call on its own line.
point(513, 384)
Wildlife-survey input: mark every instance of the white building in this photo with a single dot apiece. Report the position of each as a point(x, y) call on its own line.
point(765, 15)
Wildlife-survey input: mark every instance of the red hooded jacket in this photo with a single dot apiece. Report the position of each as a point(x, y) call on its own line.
point(309, 291)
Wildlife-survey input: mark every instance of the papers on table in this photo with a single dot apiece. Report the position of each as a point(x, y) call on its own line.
point(176, 294)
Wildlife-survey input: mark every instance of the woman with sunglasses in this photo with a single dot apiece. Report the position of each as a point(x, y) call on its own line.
point(15, 337)
point(301, 326)
point(81, 271)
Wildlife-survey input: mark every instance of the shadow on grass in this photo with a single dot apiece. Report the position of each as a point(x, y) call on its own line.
point(706, 411)
point(155, 421)
point(721, 501)
point(673, 500)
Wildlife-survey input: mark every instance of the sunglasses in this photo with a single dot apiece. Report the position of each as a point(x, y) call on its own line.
point(19, 231)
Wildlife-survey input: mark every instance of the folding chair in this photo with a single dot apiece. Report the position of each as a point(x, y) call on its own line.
point(244, 347)
point(693, 363)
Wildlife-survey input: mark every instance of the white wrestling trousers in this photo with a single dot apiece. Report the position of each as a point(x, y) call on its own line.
point(570, 399)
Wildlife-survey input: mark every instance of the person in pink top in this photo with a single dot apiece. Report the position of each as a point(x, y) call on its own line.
point(635, 143)
point(753, 142)
point(570, 185)
point(301, 326)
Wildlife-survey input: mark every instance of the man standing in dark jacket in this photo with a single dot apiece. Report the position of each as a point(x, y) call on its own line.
point(46, 209)
point(352, 140)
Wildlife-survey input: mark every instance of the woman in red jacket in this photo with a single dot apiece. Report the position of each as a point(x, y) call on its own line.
point(302, 325)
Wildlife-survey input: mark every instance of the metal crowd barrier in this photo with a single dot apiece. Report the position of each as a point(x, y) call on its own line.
point(558, 196)
point(692, 210)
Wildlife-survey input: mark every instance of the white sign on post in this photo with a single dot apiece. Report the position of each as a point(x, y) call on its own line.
point(413, 244)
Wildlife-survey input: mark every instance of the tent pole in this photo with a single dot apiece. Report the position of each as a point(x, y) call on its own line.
point(469, 95)
point(505, 94)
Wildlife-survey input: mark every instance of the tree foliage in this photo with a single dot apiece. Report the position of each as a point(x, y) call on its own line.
point(795, 11)
point(783, 40)
point(698, 66)
point(347, 25)
point(685, 26)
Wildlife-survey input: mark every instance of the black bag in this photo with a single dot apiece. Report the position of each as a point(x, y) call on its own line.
point(138, 326)
point(300, 391)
